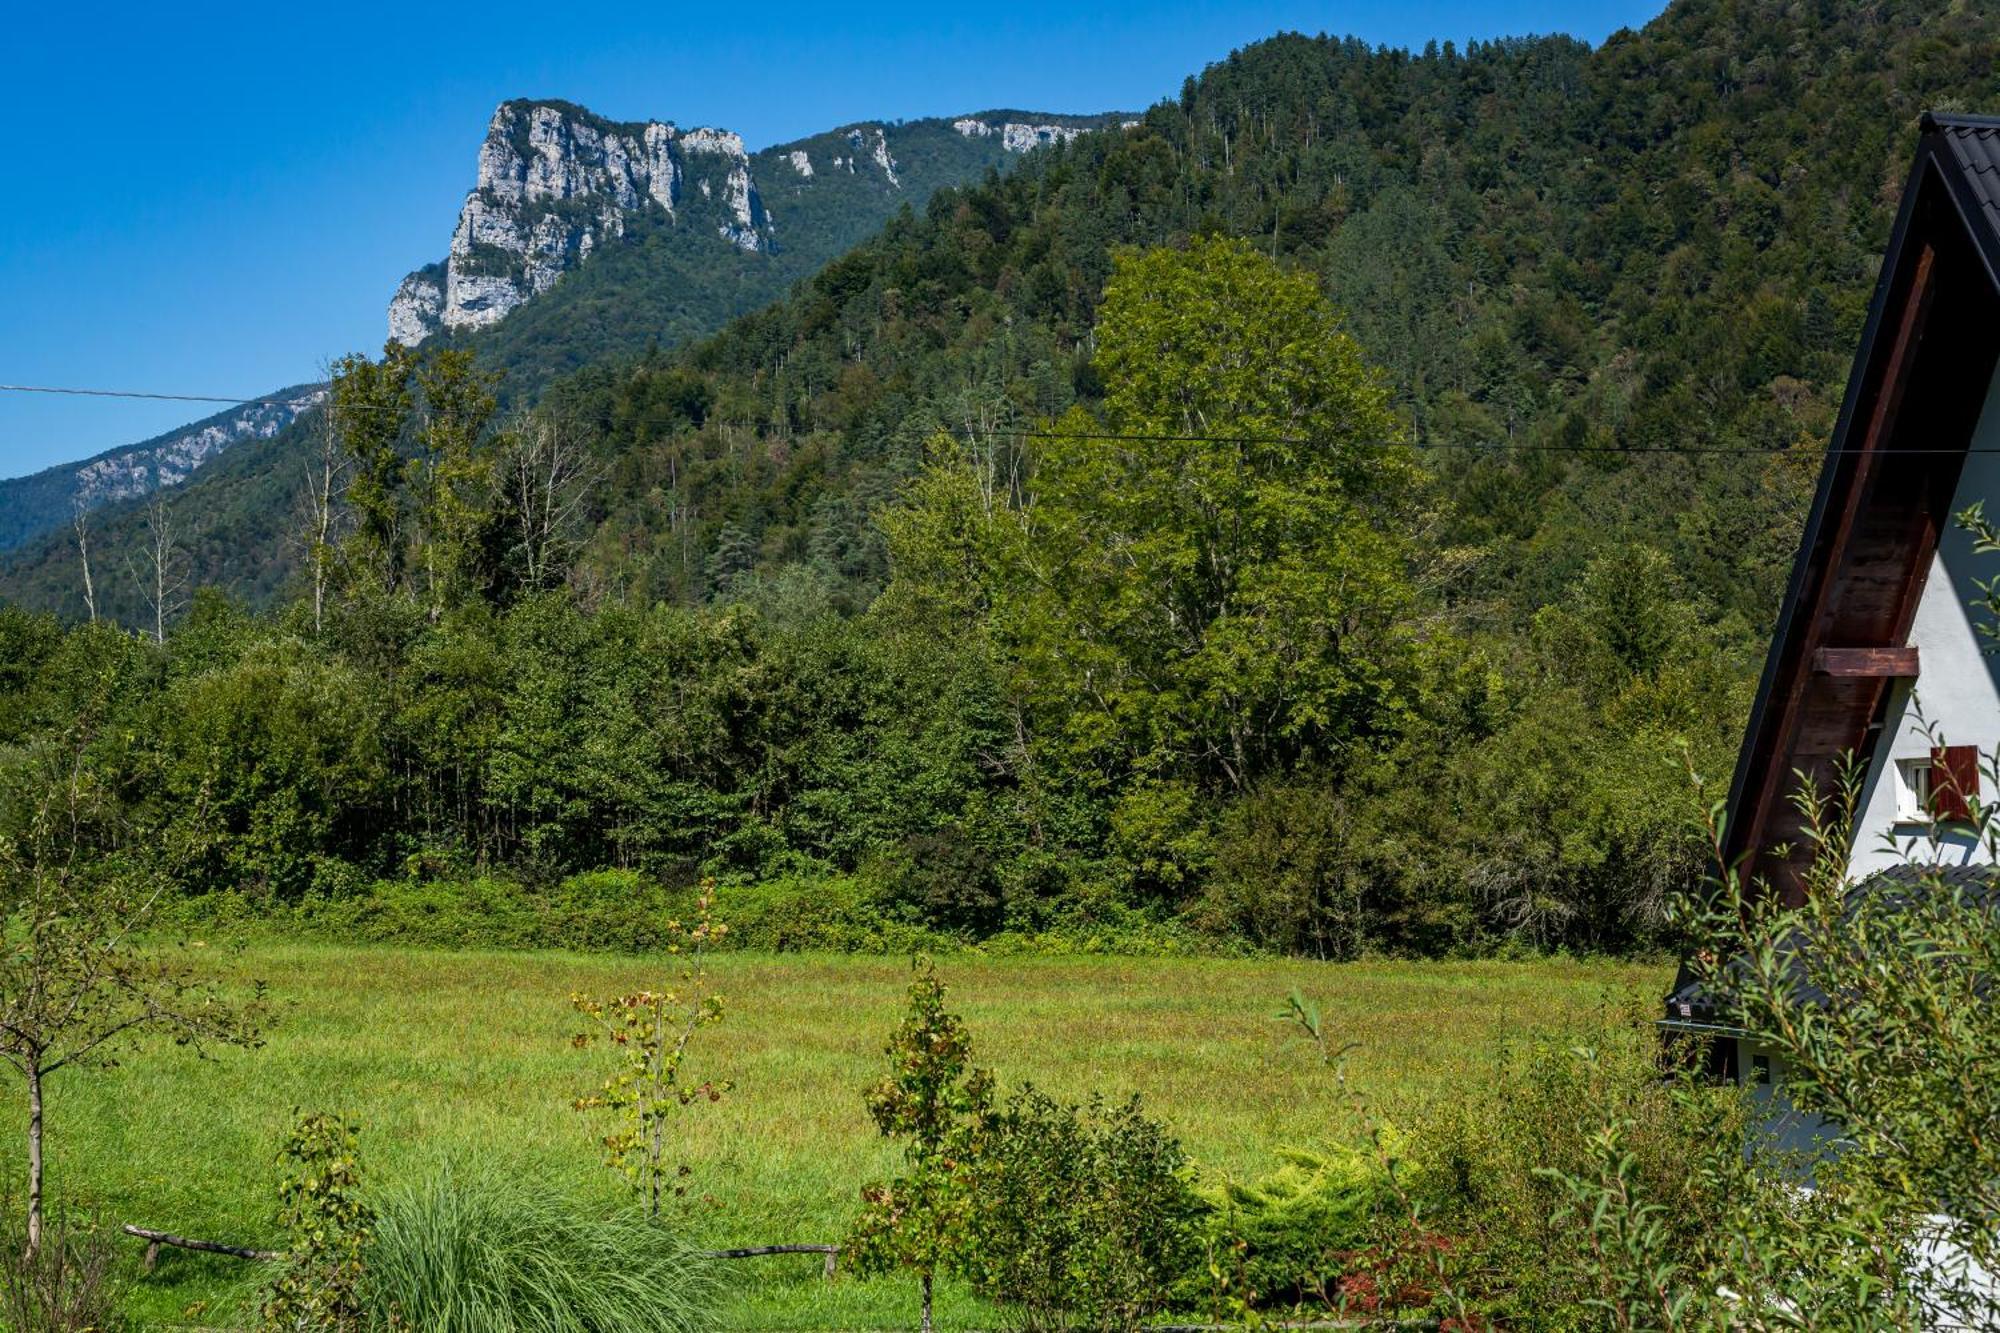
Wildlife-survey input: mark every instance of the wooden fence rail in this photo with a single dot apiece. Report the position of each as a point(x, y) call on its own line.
point(155, 1239)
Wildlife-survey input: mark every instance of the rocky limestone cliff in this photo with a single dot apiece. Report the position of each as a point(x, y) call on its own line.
point(554, 183)
point(169, 460)
point(557, 183)
point(1020, 136)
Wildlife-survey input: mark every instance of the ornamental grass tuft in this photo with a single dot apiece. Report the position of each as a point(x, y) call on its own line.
point(473, 1252)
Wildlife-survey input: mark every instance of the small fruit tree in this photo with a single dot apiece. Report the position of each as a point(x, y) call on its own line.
point(77, 889)
point(651, 1030)
point(938, 1103)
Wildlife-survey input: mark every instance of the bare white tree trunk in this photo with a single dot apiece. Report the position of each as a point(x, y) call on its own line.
point(34, 1072)
point(163, 585)
point(83, 553)
point(549, 473)
point(321, 493)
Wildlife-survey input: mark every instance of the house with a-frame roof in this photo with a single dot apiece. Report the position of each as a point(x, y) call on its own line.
point(1878, 652)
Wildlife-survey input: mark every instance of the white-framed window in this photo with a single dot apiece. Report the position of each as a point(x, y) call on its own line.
point(1913, 791)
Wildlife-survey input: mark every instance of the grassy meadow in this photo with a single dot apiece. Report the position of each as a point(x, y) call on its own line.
point(465, 1056)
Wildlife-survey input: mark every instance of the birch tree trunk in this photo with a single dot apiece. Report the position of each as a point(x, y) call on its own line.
point(83, 551)
point(34, 1158)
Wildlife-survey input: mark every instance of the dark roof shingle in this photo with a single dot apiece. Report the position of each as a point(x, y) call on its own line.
point(1692, 1006)
point(1974, 142)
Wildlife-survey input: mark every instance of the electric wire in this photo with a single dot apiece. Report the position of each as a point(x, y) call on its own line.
point(1483, 446)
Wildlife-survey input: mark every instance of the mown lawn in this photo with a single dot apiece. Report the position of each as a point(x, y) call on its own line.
point(466, 1056)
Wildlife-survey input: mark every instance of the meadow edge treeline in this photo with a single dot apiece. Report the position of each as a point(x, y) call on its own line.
point(1188, 660)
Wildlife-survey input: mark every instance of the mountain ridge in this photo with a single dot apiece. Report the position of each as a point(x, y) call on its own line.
point(1601, 253)
point(556, 182)
point(712, 282)
point(39, 501)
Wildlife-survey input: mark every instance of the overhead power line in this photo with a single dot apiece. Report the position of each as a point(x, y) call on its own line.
point(1482, 445)
point(1139, 438)
point(134, 393)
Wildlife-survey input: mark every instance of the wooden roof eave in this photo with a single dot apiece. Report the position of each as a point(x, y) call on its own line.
point(1810, 566)
point(1938, 217)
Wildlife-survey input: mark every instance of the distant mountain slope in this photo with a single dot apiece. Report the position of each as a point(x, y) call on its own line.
point(47, 500)
point(556, 186)
point(1609, 255)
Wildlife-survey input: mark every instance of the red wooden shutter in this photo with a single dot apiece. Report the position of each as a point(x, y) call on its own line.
point(1954, 782)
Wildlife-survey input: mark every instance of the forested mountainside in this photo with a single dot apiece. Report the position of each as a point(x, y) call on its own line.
point(1335, 513)
point(1667, 242)
point(682, 230)
point(47, 500)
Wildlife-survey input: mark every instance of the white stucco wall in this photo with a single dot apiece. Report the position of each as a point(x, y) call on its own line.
point(1787, 1129)
point(1958, 690)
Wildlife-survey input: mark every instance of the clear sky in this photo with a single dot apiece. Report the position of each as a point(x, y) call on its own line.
point(216, 199)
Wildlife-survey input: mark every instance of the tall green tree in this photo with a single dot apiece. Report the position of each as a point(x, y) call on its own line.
point(457, 497)
point(370, 403)
point(1206, 583)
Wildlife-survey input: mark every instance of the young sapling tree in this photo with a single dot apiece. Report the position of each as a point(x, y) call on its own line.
point(651, 1030)
point(938, 1103)
point(76, 986)
point(322, 1287)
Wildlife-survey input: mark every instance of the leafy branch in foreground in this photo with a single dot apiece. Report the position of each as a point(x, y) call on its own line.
point(1856, 1190)
point(651, 1031)
point(1875, 1001)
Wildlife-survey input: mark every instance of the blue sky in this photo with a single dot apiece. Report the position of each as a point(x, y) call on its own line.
point(214, 199)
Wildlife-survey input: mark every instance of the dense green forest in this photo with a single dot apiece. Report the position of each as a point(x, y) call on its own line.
point(1286, 519)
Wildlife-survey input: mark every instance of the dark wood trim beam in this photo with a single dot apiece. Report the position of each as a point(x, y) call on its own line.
point(1752, 829)
point(1873, 663)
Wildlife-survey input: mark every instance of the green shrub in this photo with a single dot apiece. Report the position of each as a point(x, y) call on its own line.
point(941, 878)
point(480, 913)
point(1082, 1217)
point(1487, 1170)
point(475, 1252)
point(842, 913)
point(1296, 1229)
point(1100, 925)
point(620, 910)
point(623, 911)
point(1291, 872)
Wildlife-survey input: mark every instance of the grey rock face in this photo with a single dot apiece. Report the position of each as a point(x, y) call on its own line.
point(1019, 137)
point(555, 182)
point(130, 473)
point(418, 307)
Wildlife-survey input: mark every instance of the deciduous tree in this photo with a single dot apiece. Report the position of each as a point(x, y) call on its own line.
point(76, 985)
point(934, 1099)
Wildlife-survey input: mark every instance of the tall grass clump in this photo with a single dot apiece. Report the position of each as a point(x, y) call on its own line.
point(67, 1287)
point(471, 1252)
